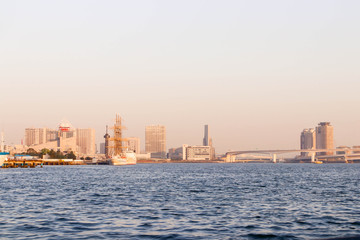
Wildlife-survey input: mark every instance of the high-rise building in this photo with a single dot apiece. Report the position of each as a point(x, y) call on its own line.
point(133, 144)
point(325, 137)
point(51, 135)
point(34, 136)
point(206, 140)
point(85, 140)
point(307, 140)
point(155, 140)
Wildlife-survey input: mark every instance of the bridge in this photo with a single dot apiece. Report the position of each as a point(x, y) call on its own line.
point(231, 155)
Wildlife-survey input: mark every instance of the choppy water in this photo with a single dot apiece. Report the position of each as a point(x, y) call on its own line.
point(181, 201)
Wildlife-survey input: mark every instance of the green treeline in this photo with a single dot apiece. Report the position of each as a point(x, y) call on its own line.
point(52, 154)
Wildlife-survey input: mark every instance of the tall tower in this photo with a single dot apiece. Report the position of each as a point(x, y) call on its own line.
point(155, 140)
point(325, 137)
point(207, 141)
point(206, 136)
point(107, 138)
point(307, 140)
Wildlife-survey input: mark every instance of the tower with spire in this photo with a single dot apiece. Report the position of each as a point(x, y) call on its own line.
point(107, 139)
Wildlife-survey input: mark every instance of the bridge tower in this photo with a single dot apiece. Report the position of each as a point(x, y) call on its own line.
point(312, 157)
point(274, 158)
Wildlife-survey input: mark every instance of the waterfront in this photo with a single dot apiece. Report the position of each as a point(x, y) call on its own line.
point(181, 201)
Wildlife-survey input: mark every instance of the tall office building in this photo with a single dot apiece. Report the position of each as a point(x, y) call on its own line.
point(206, 140)
point(155, 141)
point(85, 140)
point(325, 137)
point(31, 136)
point(34, 136)
point(307, 140)
point(51, 135)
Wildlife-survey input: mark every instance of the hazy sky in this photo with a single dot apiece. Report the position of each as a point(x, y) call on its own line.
point(257, 72)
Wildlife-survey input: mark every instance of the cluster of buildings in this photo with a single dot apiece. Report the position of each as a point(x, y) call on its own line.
point(203, 152)
point(65, 139)
point(322, 137)
point(81, 141)
point(155, 146)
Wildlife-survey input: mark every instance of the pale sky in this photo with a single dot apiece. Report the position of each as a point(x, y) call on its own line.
point(258, 72)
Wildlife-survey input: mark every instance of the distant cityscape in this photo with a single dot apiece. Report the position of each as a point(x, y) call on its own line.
point(81, 142)
point(315, 142)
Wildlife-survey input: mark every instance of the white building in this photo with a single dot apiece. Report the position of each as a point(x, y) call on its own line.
point(197, 153)
point(133, 144)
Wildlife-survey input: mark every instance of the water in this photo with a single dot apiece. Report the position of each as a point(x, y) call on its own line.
point(181, 201)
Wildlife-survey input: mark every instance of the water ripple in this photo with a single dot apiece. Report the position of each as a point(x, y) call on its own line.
point(181, 201)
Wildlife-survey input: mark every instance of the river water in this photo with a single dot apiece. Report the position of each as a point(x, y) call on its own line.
point(181, 201)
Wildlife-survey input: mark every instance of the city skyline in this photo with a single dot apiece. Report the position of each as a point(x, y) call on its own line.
point(256, 72)
point(320, 137)
point(181, 119)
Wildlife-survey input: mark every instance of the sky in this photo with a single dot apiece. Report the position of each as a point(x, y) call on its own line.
point(257, 72)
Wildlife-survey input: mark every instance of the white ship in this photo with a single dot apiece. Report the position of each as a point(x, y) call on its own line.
point(120, 155)
point(126, 158)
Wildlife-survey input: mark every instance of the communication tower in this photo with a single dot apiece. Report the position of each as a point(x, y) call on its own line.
point(107, 138)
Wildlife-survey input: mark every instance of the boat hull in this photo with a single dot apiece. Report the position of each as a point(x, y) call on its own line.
point(124, 159)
